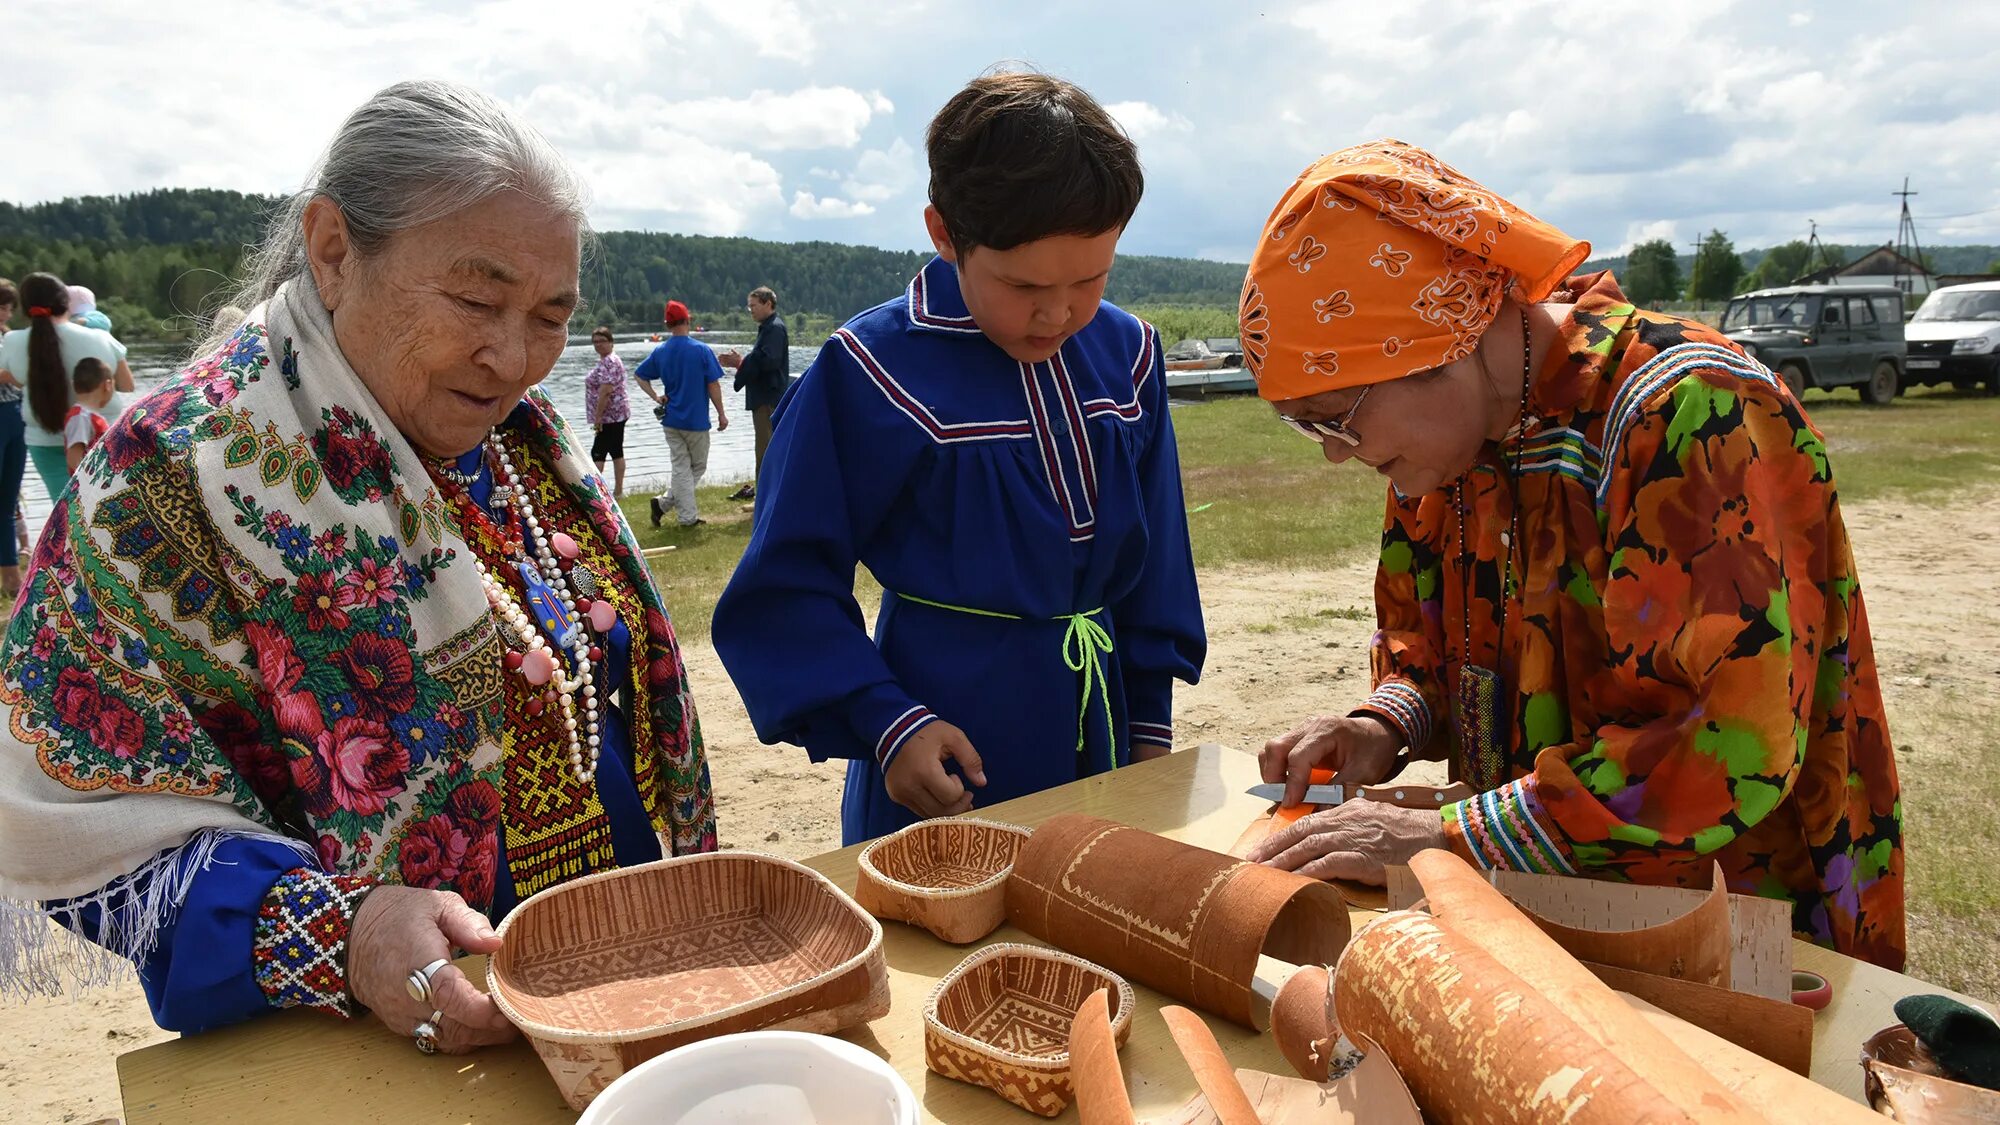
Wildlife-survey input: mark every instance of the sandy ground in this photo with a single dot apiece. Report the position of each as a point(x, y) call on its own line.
point(1268, 666)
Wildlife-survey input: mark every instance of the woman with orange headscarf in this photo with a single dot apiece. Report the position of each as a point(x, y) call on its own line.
point(1615, 592)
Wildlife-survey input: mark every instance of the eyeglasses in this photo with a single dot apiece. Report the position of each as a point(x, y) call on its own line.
point(1320, 431)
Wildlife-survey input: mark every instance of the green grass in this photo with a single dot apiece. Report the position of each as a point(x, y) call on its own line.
point(1259, 493)
point(1949, 763)
point(691, 577)
point(1182, 322)
point(1926, 446)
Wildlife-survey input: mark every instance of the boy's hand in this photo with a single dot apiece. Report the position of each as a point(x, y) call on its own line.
point(917, 779)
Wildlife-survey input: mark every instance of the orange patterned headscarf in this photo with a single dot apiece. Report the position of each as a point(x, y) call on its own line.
point(1383, 261)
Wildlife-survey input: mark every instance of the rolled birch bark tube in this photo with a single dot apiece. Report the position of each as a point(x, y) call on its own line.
point(1474, 1042)
point(1470, 907)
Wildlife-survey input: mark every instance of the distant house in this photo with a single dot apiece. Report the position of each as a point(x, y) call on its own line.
point(1880, 266)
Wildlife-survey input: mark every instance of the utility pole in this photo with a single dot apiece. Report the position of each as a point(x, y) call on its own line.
point(1815, 249)
point(1906, 236)
point(1694, 276)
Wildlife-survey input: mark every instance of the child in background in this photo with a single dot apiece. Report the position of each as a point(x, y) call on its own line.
point(993, 444)
point(605, 406)
point(84, 423)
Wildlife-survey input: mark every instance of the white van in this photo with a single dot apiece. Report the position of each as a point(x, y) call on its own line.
point(1955, 337)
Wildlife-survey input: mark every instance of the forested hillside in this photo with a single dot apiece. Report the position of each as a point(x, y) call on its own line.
point(158, 258)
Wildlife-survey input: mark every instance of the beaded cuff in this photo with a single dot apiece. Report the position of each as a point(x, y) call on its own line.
point(300, 949)
point(1402, 704)
point(1506, 828)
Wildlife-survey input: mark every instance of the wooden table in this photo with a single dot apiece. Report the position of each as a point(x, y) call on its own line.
point(298, 1067)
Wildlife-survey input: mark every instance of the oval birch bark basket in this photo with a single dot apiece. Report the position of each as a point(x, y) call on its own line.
point(1183, 920)
point(948, 876)
point(607, 971)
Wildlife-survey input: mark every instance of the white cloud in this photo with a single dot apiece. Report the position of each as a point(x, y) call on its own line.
point(883, 174)
point(1143, 119)
point(1645, 232)
point(709, 115)
point(814, 117)
point(805, 205)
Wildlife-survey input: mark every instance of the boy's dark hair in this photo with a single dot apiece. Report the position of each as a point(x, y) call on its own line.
point(90, 374)
point(8, 294)
point(765, 294)
point(1017, 157)
point(602, 332)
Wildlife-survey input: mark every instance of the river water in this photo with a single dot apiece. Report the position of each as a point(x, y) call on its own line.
point(730, 457)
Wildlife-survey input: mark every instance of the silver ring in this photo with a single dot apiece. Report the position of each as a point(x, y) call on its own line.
point(419, 981)
point(426, 1036)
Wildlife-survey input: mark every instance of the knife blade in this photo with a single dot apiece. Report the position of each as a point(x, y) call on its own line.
point(1315, 794)
point(1403, 796)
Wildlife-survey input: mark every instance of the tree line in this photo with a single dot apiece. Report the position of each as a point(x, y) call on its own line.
point(161, 260)
point(1652, 273)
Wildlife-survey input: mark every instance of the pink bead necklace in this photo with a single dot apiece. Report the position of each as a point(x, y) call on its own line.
point(570, 684)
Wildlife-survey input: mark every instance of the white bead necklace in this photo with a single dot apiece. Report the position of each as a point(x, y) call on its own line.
point(540, 664)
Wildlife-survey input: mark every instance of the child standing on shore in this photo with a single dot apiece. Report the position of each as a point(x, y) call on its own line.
point(85, 423)
point(994, 445)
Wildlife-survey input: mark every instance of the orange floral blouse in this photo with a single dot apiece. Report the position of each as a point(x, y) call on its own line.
point(1687, 669)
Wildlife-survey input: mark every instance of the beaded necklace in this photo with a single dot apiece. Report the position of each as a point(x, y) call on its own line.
point(558, 590)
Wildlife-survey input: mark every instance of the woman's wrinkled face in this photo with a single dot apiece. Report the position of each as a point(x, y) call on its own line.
point(1421, 431)
point(451, 323)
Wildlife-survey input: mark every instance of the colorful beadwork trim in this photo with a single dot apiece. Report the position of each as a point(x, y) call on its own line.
point(1402, 704)
point(300, 950)
point(1506, 828)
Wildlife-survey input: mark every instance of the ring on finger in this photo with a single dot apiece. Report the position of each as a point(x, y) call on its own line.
point(419, 980)
point(426, 1035)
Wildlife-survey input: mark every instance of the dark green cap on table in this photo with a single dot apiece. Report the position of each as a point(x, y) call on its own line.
point(1964, 1040)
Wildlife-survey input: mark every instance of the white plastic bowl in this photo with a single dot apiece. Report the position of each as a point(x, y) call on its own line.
point(758, 1078)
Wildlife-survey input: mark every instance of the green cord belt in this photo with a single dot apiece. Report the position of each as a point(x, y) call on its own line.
point(1086, 644)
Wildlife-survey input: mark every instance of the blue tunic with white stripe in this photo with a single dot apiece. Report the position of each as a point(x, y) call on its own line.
point(1018, 495)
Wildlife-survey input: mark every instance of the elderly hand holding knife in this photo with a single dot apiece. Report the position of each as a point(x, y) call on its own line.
point(1363, 827)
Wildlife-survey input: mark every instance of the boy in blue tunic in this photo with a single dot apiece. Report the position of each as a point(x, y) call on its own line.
point(993, 444)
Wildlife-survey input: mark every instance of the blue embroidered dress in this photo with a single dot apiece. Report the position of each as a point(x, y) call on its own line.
point(1010, 511)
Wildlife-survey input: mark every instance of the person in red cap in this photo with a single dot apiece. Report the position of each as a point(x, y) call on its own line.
point(690, 379)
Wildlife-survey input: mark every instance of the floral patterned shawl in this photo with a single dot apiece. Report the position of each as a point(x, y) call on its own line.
point(252, 552)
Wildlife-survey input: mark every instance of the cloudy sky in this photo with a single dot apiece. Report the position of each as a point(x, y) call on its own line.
point(804, 119)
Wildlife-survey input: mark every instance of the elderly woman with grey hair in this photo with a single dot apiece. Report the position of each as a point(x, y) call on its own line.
point(341, 650)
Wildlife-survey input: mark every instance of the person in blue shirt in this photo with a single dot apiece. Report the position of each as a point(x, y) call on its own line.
point(994, 445)
point(690, 379)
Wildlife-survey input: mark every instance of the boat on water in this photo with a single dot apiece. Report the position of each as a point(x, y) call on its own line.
point(1200, 367)
point(1199, 354)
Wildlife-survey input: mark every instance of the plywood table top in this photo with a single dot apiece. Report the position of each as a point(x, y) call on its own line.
point(300, 1067)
